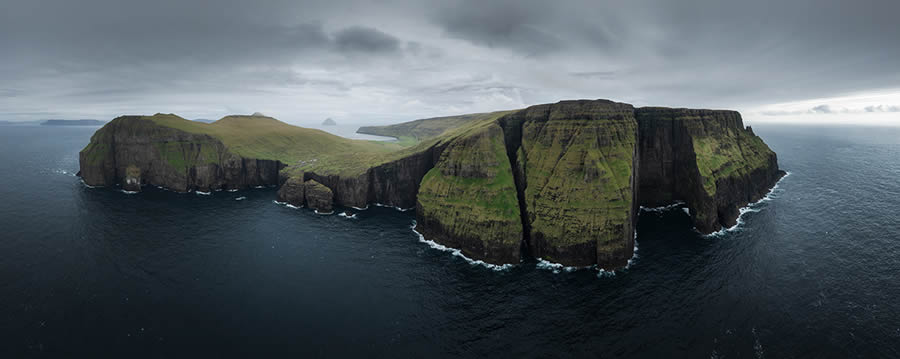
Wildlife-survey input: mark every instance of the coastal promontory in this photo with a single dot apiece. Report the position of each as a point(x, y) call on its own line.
point(562, 182)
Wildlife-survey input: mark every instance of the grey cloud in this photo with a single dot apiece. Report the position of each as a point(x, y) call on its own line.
point(594, 74)
point(317, 58)
point(502, 24)
point(882, 108)
point(821, 109)
point(364, 39)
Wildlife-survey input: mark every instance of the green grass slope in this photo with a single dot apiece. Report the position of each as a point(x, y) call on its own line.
point(263, 137)
point(469, 197)
point(413, 132)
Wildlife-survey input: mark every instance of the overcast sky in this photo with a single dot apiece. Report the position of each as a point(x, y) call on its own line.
point(392, 61)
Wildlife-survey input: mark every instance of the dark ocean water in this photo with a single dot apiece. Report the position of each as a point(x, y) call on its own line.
point(811, 273)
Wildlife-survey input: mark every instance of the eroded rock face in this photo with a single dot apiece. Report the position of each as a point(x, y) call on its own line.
point(705, 158)
point(132, 180)
point(168, 157)
point(577, 160)
point(393, 183)
point(468, 200)
point(293, 191)
point(318, 197)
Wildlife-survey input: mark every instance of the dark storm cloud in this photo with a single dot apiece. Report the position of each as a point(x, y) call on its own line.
point(364, 39)
point(374, 59)
point(505, 24)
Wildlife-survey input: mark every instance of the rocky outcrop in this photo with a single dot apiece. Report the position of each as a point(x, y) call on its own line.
point(706, 159)
point(576, 159)
point(318, 197)
point(393, 183)
point(468, 200)
point(581, 169)
point(293, 191)
point(167, 157)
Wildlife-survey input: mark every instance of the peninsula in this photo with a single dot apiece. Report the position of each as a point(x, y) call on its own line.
point(562, 182)
point(72, 123)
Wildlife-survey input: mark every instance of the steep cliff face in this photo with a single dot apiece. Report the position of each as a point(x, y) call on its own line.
point(468, 200)
point(560, 182)
point(706, 159)
point(133, 151)
point(575, 160)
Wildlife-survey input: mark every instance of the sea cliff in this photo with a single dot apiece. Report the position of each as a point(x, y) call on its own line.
point(561, 182)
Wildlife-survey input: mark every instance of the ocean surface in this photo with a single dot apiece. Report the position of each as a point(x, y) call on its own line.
point(94, 272)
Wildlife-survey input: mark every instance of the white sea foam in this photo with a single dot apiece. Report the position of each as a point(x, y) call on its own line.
point(750, 208)
point(687, 211)
point(240, 198)
point(631, 261)
point(360, 209)
point(316, 211)
point(203, 193)
point(457, 252)
point(64, 172)
point(345, 215)
point(394, 207)
point(87, 185)
point(557, 267)
point(288, 205)
point(233, 190)
point(128, 192)
point(259, 186)
point(662, 208)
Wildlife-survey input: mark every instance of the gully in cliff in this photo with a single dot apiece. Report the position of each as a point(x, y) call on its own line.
point(560, 182)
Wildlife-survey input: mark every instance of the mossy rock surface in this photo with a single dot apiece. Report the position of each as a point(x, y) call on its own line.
point(578, 161)
point(468, 200)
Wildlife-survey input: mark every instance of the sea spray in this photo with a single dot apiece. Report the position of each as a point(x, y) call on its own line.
point(458, 253)
point(749, 209)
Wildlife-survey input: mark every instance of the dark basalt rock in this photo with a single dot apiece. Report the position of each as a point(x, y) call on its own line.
point(168, 157)
point(670, 168)
point(318, 197)
point(293, 192)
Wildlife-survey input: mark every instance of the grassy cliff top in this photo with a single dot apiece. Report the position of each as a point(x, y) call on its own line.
point(420, 130)
point(263, 137)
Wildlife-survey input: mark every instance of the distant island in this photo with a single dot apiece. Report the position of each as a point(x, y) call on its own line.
point(16, 123)
point(329, 122)
point(203, 120)
point(72, 123)
point(561, 182)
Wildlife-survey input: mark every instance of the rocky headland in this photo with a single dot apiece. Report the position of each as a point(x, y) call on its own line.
point(562, 182)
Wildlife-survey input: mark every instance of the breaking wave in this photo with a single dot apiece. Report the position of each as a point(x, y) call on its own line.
point(203, 193)
point(750, 208)
point(240, 198)
point(457, 252)
point(288, 205)
point(394, 207)
point(316, 211)
point(87, 185)
point(662, 208)
point(347, 216)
